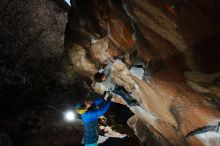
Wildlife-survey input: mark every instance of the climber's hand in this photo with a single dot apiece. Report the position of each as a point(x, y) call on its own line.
point(110, 96)
point(106, 94)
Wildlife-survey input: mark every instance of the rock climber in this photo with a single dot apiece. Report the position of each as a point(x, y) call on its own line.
point(104, 79)
point(90, 111)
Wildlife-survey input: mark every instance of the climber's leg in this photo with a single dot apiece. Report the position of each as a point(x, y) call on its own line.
point(128, 99)
point(141, 71)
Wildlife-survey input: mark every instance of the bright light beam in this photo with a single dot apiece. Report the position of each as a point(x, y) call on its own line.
point(70, 116)
point(68, 1)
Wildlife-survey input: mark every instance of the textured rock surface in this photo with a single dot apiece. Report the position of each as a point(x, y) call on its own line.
point(31, 49)
point(172, 103)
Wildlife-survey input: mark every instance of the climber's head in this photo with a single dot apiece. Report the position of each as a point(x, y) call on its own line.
point(99, 77)
point(83, 107)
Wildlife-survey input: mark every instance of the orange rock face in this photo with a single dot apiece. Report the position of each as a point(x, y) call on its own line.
point(180, 97)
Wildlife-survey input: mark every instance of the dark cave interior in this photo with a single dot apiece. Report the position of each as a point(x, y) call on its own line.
point(50, 51)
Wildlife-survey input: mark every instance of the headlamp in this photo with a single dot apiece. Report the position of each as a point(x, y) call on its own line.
point(70, 116)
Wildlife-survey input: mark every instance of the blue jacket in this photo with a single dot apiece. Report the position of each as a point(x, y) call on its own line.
point(90, 120)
